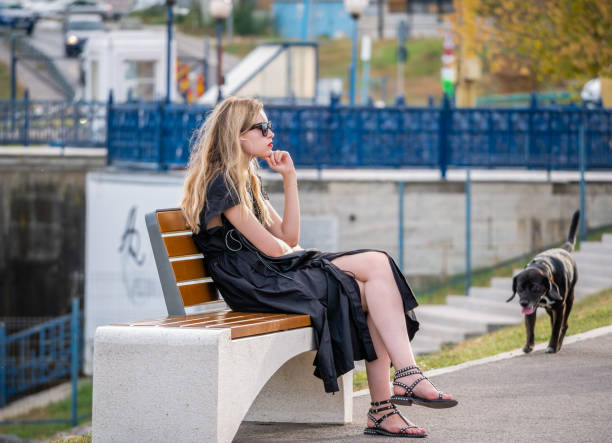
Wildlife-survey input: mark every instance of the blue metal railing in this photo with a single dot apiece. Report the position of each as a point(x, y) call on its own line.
point(157, 135)
point(539, 137)
point(41, 354)
point(54, 122)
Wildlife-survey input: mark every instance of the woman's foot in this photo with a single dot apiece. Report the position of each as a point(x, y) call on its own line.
point(411, 386)
point(385, 419)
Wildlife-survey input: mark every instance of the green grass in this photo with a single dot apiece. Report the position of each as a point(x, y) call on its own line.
point(55, 411)
point(5, 83)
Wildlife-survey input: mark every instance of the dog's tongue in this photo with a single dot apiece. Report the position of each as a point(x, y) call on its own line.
point(528, 310)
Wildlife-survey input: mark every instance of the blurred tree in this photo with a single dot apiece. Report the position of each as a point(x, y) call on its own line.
point(543, 41)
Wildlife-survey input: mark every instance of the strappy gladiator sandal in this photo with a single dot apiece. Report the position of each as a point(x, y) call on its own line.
point(378, 430)
point(409, 397)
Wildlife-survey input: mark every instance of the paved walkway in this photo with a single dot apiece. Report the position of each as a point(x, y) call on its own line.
point(565, 397)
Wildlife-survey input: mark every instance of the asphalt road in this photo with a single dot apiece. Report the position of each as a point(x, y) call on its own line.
point(564, 397)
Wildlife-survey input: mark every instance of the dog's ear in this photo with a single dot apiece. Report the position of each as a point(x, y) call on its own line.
point(553, 291)
point(513, 288)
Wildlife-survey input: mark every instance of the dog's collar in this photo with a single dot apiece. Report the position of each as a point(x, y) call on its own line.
point(543, 265)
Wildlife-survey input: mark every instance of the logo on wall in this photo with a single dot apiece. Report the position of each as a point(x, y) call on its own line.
point(136, 280)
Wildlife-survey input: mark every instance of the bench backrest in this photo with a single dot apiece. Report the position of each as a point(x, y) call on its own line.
point(180, 265)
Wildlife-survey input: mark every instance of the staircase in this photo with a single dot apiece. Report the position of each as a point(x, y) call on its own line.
point(486, 309)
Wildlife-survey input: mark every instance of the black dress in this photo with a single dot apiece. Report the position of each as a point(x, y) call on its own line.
point(250, 281)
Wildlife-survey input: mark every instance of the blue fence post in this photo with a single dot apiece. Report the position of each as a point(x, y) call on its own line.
point(443, 145)
point(74, 363)
point(3, 363)
point(26, 124)
point(159, 142)
point(468, 231)
point(400, 194)
point(581, 162)
point(109, 109)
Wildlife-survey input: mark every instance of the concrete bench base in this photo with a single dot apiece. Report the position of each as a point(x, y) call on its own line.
point(197, 385)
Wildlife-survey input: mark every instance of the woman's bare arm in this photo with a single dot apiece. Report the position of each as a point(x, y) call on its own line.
point(254, 231)
point(287, 228)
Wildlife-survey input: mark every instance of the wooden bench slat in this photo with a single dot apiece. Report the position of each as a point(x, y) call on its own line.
point(241, 324)
point(198, 293)
point(173, 319)
point(171, 221)
point(180, 245)
point(229, 323)
point(271, 326)
point(192, 269)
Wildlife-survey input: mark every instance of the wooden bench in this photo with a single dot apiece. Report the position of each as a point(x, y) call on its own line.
point(196, 376)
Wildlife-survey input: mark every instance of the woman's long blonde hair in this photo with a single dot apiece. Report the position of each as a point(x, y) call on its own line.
point(217, 150)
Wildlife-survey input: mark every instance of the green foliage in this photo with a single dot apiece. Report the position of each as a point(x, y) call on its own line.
point(56, 411)
point(548, 41)
point(248, 21)
point(5, 83)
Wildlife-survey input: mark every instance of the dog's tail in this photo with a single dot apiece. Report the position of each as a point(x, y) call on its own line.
point(571, 237)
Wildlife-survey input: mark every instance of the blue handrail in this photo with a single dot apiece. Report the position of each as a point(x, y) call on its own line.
point(40, 354)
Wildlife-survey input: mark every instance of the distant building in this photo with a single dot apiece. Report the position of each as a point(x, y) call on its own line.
point(130, 63)
point(380, 19)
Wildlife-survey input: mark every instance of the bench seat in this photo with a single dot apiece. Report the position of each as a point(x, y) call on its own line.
point(241, 324)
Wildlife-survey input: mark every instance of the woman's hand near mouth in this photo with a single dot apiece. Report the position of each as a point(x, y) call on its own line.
point(281, 162)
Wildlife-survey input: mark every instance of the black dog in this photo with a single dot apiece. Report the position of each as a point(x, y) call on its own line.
point(548, 281)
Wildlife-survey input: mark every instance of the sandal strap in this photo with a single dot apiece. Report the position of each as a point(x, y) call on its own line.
point(385, 408)
point(400, 371)
point(378, 421)
point(411, 387)
point(379, 403)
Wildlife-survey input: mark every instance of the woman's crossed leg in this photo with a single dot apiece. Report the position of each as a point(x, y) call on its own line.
point(386, 321)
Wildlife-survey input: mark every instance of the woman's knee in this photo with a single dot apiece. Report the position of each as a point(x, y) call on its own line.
point(378, 262)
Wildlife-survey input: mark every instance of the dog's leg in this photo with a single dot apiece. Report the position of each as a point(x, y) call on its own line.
point(556, 320)
point(530, 321)
point(568, 308)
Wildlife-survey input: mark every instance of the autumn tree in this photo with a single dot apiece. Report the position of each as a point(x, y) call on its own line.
point(546, 41)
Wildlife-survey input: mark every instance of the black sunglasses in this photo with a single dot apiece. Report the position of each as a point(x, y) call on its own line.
point(264, 126)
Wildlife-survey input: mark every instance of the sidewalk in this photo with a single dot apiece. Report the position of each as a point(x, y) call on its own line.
point(564, 397)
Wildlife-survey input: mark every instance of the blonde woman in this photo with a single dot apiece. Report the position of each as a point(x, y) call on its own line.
point(359, 302)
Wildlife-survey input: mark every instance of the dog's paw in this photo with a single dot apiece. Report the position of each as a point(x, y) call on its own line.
point(527, 349)
point(550, 350)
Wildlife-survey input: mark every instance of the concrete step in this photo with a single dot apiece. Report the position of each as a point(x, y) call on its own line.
point(485, 306)
point(472, 321)
point(422, 344)
point(593, 281)
point(491, 293)
point(596, 258)
point(604, 269)
point(599, 247)
point(606, 238)
point(504, 283)
point(443, 333)
point(584, 291)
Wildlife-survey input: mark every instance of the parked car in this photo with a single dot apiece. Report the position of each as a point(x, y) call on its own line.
point(13, 14)
point(77, 29)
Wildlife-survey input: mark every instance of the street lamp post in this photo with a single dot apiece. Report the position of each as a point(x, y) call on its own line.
point(169, 5)
point(220, 10)
point(354, 8)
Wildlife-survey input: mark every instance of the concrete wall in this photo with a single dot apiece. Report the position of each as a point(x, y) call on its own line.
point(42, 231)
point(42, 222)
point(508, 218)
